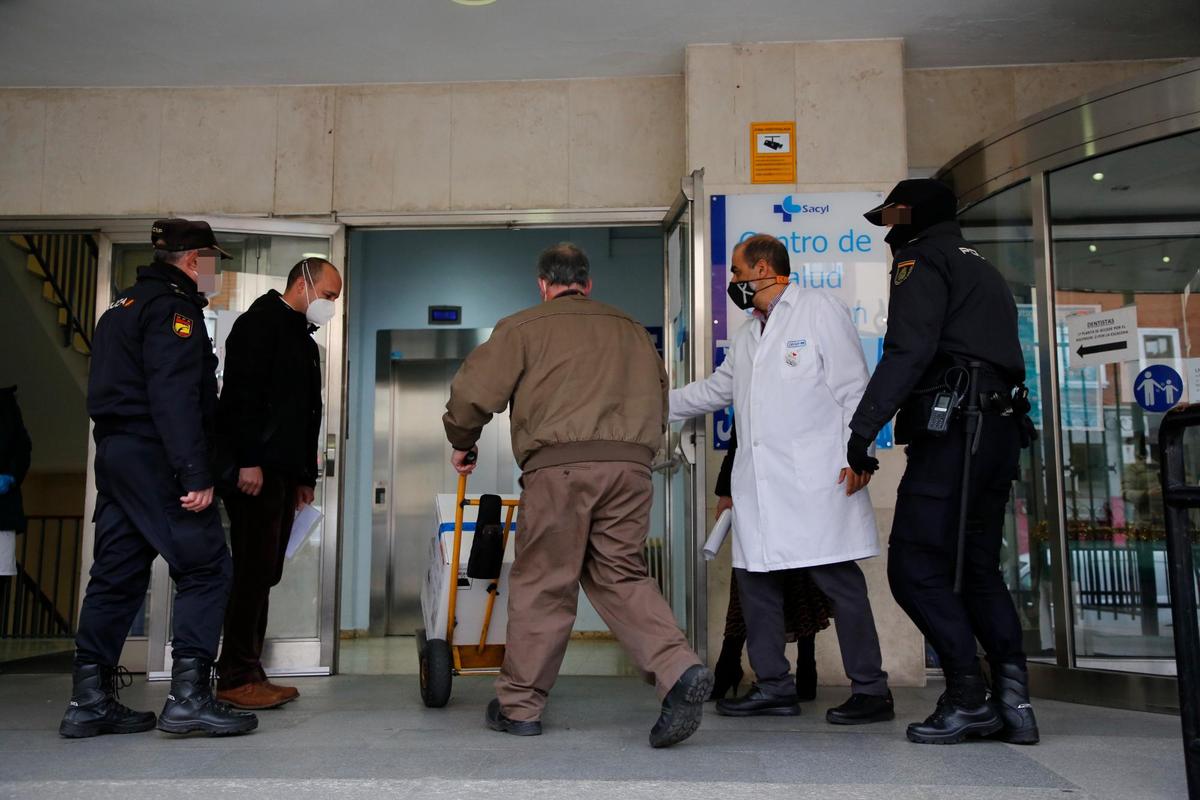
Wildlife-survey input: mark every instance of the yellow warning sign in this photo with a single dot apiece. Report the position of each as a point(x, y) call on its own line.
point(772, 152)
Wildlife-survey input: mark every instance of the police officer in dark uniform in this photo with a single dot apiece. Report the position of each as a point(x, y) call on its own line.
point(152, 394)
point(951, 310)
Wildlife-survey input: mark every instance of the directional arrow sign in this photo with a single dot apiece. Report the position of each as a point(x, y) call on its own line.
point(1104, 337)
point(1107, 347)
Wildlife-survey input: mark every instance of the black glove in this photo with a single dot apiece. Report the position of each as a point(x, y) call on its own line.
point(856, 455)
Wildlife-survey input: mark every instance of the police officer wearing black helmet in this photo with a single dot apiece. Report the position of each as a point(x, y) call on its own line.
point(152, 394)
point(951, 363)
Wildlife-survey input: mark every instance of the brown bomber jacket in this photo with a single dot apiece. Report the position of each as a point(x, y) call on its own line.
point(583, 380)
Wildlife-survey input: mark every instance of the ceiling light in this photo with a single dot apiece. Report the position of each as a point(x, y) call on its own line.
point(1166, 259)
point(1096, 176)
point(474, 2)
point(1092, 248)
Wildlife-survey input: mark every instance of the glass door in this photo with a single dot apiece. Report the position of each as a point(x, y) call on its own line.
point(686, 344)
point(302, 632)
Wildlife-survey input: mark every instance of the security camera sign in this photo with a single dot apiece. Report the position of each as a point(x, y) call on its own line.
point(772, 156)
point(774, 143)
point(1105, 337)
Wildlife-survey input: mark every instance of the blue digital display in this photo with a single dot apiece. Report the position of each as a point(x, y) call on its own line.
point(445, 315)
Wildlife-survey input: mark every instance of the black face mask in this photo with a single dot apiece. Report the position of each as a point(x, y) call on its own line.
point(742, 293)
point(901, 235)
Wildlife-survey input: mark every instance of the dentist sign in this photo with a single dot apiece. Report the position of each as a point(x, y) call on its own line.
point(831, 248)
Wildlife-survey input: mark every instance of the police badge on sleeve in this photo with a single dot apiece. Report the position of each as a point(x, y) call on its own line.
point(182, 326)
point(903, 270)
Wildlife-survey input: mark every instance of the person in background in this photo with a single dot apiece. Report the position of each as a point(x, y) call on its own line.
point(806, 610)
point(269, 417)
point(587, 396)
point(15, 451)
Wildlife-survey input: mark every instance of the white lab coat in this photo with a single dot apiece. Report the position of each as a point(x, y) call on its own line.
point(794, 387)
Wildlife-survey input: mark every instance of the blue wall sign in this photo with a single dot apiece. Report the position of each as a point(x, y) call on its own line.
point(1158, 388)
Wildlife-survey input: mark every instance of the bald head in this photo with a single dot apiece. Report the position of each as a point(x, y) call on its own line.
point(309, 279)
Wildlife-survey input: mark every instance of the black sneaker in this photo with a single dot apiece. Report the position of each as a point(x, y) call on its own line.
point(862, 709)
point(498, 722)
point(95, 707)
point(757, 703)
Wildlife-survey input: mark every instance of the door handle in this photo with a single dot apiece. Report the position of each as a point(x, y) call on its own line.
point(330, 462)
point(685, 446)
point(663, 466)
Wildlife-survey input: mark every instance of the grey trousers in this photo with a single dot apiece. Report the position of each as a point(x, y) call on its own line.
point(761, 594)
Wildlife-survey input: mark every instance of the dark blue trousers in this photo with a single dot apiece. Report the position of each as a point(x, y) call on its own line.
point(138, 517)
point(921, 553)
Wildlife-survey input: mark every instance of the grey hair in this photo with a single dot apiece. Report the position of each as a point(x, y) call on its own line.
point(169, 256)
point(564, 264)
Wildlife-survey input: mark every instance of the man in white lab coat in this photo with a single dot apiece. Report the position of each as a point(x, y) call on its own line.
point(794, 375)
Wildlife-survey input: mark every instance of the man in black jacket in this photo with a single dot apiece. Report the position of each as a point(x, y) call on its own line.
point(950, 308)
point(270, 418)
point(152, 394)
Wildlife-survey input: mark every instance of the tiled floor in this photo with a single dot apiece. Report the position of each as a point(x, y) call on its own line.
point(360, 736)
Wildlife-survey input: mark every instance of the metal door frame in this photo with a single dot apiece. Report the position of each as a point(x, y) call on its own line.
point(691, 202)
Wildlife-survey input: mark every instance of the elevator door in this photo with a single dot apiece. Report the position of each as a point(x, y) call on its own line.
point(413, 372)
point(422, 470)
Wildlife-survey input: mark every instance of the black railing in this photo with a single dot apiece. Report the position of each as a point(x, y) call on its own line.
point(68, 263)
point(40, 601)
point(1178, 499)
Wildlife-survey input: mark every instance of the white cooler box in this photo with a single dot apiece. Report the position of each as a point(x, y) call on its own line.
point(472, 594)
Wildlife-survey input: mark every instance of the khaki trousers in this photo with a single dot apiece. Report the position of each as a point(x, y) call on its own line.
point(584, 523)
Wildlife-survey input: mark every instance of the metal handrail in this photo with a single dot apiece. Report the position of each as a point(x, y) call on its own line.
point(73, 323)
point(29, 603)
point(1178, 498)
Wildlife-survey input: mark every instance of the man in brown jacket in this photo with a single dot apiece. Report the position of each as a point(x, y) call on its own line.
point(588, 398)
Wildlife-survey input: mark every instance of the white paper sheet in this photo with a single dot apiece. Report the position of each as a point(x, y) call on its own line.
point(307, 519)
point(719, 532)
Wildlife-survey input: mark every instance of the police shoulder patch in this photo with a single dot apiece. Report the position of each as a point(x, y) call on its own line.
point(902, 271)
point(182, 326)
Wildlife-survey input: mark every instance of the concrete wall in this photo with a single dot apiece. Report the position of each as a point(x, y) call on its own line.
point(948, 110)
point(317, 150)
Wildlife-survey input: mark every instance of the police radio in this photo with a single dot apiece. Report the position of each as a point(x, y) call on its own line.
point(946, 402)
point(944, 406)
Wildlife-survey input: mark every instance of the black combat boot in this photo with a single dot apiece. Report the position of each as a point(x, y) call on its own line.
point(962, 711)
point(95, 708)
point(806, 668)
point(727, 674)
point(192, 707)
point(1010, 700)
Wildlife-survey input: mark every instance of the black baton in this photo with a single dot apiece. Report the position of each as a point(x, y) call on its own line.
point(972, 429)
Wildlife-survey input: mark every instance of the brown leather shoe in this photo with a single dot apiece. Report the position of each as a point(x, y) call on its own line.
point(251, 696)
point(288, 693)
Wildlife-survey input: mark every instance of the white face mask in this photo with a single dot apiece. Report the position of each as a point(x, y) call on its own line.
point(319, 310)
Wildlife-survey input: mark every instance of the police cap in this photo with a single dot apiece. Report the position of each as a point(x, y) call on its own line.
point(178, 234)
point(930, 199)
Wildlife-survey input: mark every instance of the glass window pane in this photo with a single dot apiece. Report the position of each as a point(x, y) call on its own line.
point(1000, 228)
point(1125, 234)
